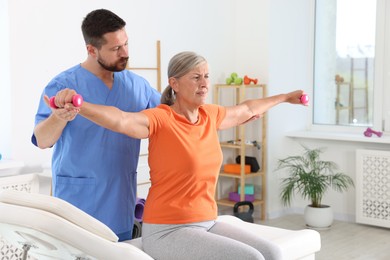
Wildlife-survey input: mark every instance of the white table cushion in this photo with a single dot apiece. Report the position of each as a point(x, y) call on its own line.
point(294, 244)
point(53, 237)
point(61, 208)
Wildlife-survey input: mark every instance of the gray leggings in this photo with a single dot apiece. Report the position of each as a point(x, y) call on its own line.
point(205, 240)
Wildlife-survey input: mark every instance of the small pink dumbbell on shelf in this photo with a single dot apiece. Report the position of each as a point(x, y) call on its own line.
point(305, 99)
point(77, 101)
point(369, 132)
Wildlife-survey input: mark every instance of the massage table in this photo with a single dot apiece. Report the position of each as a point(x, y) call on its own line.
point(45, 227)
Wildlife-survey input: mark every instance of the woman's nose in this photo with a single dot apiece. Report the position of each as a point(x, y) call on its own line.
point(204, 81)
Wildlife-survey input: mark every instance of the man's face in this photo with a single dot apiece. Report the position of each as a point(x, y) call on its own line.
point(113, 55)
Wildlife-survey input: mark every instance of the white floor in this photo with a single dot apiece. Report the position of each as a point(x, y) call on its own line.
point(344, 240)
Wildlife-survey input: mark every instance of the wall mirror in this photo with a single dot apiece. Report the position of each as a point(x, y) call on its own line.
point(344, 55)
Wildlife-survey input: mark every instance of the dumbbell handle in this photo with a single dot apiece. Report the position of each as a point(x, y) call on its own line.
point(304, 99)
point(77, 101)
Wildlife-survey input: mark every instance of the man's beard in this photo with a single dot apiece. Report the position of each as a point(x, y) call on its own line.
point(118, 66)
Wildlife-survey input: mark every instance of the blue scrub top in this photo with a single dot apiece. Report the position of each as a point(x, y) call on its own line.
point(93, 168)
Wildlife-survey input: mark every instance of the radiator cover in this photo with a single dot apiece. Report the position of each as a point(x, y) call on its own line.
point(373, 187)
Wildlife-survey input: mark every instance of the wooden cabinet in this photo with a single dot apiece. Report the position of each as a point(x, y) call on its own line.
point(242, 142)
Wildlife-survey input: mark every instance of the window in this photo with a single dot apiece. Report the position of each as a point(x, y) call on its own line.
point(349, 63)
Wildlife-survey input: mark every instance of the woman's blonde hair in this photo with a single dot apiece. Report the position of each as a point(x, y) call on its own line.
point(178, 66)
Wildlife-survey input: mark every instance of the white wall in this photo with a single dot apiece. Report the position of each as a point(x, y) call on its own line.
point(266, 39)
point(5, 91)
point(45, 38)
point(289, 40)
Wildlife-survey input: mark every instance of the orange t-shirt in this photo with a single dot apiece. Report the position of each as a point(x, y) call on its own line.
point(184, 161)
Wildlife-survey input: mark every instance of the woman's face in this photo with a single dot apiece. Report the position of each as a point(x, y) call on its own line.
point(192, 88)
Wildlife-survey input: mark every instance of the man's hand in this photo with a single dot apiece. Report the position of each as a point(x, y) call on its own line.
point(65, 111)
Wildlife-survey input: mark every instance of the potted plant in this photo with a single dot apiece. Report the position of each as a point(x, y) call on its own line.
point(311, 177)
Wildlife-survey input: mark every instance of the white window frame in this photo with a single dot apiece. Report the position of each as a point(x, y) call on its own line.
point(381, 118)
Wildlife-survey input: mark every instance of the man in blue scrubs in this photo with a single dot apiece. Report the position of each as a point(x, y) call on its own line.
point(95, 168)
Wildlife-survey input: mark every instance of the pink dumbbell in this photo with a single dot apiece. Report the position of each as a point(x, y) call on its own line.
point(304, 99)
point(77, 101)
point(369, 132)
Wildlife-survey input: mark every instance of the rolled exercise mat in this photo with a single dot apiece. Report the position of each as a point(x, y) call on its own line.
point(236, 168)
point(234, 196)
point(139, 209)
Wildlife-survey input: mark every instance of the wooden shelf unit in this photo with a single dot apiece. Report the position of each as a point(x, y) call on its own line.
point(157, 68)
point(241, 148)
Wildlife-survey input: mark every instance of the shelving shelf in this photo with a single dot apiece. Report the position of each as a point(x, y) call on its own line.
point(241, 147)
point(229, 203)
point(246, 176)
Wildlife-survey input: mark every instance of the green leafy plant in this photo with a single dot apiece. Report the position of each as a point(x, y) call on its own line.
point(311, 177)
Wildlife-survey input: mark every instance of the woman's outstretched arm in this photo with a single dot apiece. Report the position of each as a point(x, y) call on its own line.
point(254, 108)
point(135, 125)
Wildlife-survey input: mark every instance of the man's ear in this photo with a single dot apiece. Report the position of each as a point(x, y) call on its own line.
point(91, 50)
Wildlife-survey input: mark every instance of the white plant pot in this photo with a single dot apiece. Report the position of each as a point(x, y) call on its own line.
point(318, 218)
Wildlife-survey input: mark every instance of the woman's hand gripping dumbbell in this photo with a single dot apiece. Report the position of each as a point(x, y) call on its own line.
point(305, 99)
point(77, 101)
point(67, 106)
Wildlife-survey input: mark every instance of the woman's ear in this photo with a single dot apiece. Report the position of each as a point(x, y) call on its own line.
point(173, 83)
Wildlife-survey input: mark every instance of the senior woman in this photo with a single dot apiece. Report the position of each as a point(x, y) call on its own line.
point(185, 157)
